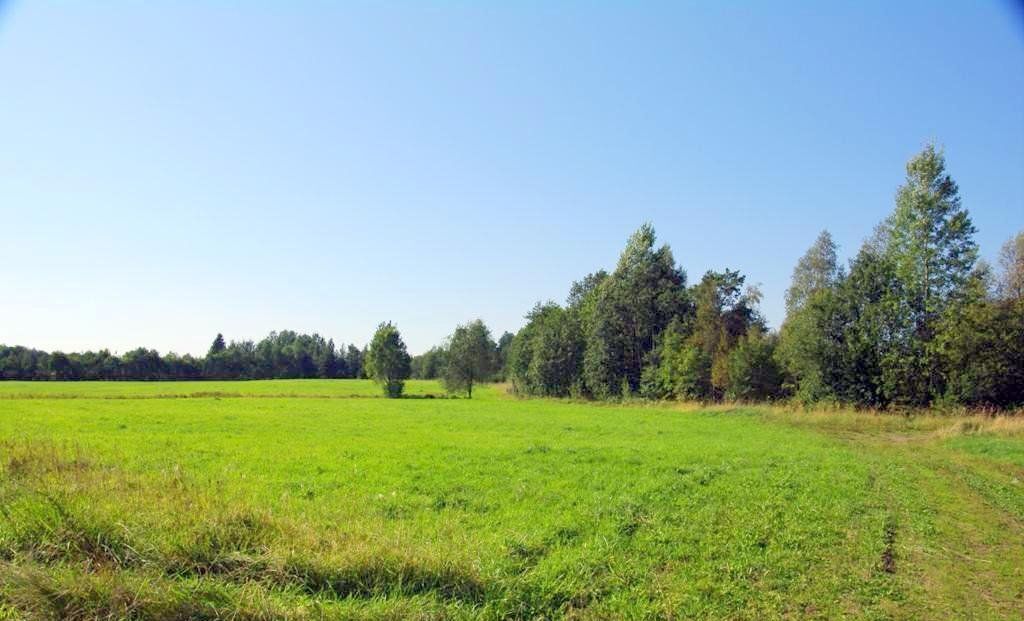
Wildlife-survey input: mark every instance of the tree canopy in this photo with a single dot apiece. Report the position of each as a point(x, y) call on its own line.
point(471, 357)
point(388, 361)
point(281, 355)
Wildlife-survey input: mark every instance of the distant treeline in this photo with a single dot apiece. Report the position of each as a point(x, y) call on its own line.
point(280, 355)
point(915, 319)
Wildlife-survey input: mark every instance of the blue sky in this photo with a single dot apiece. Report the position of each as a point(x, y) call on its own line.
point(169, 170)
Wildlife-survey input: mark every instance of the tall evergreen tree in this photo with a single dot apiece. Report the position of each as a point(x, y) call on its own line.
point(932, 248)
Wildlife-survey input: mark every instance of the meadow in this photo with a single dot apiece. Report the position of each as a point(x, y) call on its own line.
point(204, 388)
point(317, 499)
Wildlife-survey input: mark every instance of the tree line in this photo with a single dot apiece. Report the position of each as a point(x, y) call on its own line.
point(914, 319)
point(280, 355)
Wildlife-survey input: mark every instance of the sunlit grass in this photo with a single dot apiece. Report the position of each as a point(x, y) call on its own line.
point(210, 388)
point(493, 508)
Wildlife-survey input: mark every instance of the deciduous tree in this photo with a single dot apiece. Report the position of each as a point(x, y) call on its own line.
point(631, 308)
point(1011, 265)
point(471, 357)
point(387, 360)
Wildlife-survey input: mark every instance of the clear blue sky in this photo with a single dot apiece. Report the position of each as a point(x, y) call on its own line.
point(169, 170)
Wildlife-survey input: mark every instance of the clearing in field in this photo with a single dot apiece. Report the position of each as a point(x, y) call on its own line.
point(316, 499)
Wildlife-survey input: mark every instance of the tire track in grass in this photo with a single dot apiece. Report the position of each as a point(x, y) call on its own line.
point(953, 538)
point(955, 552)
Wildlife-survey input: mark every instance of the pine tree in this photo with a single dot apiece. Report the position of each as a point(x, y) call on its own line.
point(931, 245)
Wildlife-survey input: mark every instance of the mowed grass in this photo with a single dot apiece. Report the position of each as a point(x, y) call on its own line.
point(495, 508)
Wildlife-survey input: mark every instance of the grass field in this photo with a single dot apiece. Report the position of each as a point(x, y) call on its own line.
point(262, 500)
point(162, 390)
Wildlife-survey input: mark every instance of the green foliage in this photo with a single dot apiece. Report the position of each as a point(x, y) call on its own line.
point(284, 355)
point(557, 353)
point(547, 354)
point(431, 364)
point(582, 292)
point(725, 312)
point(61, 367)
point(753, 372)
point(683, 371)
point(355, 362)
point(816, 271)
point(694, 360)
point(638, 330)
point(388, 361)
point(931, 238)
point(631, 308)
point(862, 356)
point(981, 341)
point(800, 351)
point(471, 357)
point(912, 322)
point(1011, 263)
point(504, 350)
point(142, 363)
point(218, 345)
point(931, 244)
point(328, 362)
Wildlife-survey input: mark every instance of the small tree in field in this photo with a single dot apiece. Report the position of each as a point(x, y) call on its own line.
point(472, 355)
point(387, 360)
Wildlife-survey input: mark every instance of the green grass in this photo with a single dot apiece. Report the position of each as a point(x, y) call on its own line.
point(256, 388)
point(996, 449)
point(493, 508)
